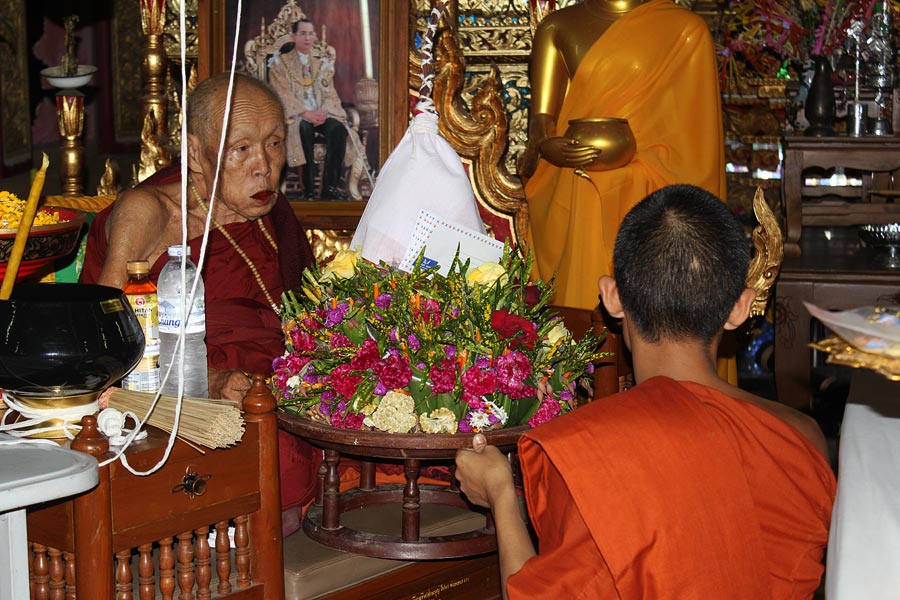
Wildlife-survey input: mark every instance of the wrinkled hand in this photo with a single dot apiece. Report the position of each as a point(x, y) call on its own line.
point(229, 385)
point(567, 152)
point(483, 472)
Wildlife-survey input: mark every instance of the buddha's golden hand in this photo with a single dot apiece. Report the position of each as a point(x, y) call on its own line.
point(567, 152)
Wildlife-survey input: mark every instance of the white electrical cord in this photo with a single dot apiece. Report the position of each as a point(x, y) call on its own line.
point(187, 301)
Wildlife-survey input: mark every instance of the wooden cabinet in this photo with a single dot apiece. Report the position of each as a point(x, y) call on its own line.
point(875, 157)
point(146, 533)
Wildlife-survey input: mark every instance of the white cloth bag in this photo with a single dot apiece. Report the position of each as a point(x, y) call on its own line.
point(423, 172)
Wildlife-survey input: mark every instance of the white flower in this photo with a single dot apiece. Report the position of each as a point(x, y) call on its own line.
point(293, 381)
point(486, 274)
point(395, 414)
point(497, 411)
point(479, 420)
point(441, 420)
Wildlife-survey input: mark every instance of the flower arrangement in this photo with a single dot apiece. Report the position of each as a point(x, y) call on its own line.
point(773, 38)
point(376, 348)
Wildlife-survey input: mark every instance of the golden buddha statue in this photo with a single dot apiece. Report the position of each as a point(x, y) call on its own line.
point(562, 40)
point(642, 76)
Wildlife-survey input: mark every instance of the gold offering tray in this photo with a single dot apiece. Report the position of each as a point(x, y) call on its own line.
point(840, 352)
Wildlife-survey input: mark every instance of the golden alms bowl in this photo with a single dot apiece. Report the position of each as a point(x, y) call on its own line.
point(610, 135)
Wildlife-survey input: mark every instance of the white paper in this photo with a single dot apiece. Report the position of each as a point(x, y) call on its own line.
point(441, 240)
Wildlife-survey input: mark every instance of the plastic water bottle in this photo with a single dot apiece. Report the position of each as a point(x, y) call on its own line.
point(196, 382)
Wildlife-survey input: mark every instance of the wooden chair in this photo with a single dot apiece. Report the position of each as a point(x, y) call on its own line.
point(612, 374)
point(87, 547)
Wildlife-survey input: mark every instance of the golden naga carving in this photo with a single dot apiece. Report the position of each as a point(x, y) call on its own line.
point(478, 134)
point(154, 155)
point(769, 251)
point(109, 181)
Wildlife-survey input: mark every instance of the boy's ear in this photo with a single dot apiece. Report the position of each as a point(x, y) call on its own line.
point(609, 294)
point(741, 309)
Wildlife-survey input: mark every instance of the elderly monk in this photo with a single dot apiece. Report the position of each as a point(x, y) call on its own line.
point(651, 63)
point(256, 248)
point(683, 486)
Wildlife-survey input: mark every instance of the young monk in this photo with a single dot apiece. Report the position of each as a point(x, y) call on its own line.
point(683, 486)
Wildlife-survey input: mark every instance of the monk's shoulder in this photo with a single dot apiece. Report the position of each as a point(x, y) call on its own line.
point(803, 423)
point(146, 203)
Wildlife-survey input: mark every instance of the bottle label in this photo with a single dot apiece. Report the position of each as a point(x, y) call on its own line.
point(145, 376)
point(145, 308)
point(170, 316)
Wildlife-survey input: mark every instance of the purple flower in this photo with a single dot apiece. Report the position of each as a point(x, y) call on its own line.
point(413, 342)
point(337, 314)
point(450, 350)
point(383, 301)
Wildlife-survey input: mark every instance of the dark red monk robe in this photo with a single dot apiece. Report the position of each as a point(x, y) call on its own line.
point(673, 490)
point(242, 330)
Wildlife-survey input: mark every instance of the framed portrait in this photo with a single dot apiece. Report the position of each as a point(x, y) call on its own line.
point(341, 69)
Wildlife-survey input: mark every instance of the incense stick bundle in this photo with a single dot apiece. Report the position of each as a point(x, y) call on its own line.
point(206, 422)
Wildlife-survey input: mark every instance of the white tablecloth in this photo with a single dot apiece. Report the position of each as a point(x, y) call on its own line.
point(864, 544)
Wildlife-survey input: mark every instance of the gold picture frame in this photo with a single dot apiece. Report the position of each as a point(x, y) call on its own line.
point(393, 91)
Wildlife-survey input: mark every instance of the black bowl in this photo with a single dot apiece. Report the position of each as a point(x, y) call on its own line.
point(66, 339)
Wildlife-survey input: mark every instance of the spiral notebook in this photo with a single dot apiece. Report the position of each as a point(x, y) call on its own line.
point(441, 240)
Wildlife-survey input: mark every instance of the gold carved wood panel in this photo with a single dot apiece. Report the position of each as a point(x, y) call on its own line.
point(15, 116)
point(126, 65)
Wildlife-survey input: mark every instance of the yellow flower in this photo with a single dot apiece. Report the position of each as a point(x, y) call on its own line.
point(486, 274)
point(342, 266)
point(396, 413)
point(555, 335)
point(441, 420)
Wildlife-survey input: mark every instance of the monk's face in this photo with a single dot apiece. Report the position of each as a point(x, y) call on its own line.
point(252, 159)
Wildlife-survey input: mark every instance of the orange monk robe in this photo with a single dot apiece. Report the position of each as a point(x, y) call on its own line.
point(655, 67)
point(673, 490)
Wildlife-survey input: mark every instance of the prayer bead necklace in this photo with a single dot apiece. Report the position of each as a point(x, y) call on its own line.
point(240, 251)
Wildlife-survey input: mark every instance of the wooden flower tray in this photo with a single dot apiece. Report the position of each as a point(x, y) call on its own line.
point(323, 519)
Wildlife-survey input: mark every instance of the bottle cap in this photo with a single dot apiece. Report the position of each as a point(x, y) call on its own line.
point(138, 267)
point(176, 250)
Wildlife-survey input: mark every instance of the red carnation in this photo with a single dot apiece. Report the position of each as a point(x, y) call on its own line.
point(518, 330)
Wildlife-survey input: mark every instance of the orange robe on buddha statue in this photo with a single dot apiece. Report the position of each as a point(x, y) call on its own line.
point(656, 67)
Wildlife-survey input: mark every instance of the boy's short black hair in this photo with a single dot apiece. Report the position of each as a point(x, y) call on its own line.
point(680, 260)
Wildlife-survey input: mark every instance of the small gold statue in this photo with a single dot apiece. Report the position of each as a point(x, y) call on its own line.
point(69, 61)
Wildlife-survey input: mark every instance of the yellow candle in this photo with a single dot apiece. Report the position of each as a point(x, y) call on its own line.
point(15, 257)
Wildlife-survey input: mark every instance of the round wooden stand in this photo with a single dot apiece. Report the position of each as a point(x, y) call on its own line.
point(322, 521)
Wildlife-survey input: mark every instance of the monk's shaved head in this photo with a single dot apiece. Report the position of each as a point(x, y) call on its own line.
point(680, 260)
point(206, 103)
